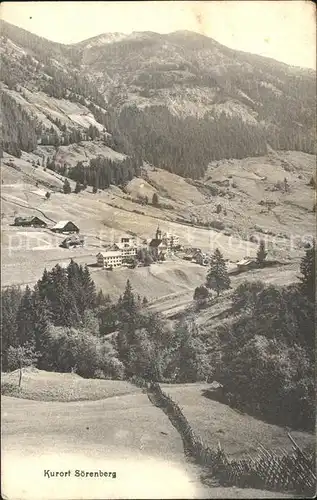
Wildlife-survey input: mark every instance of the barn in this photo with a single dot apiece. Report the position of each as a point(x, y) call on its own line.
point(73, 241)
point(65, 226)
point(31, 221)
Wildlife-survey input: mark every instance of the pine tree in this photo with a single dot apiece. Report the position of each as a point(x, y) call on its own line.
point(128, 301)
point(308, 271)
point(44, 285)
point(66, 187)
point(61, 299)
point(25, 315)
point(41, 318)
point(218, 278)
point(145, 302)
point(10, 303)
point(155, 200)
point(75, 286)
point(261, 254)
point(89, 289)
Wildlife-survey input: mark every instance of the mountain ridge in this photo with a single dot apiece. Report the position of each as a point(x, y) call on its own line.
point(178, 100)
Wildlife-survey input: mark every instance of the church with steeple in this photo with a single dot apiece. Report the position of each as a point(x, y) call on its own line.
point(163, 243)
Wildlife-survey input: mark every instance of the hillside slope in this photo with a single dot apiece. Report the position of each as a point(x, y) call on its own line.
point(123, 433)
point(178, 100)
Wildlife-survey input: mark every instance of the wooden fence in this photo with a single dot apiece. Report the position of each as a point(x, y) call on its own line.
point(276, 470)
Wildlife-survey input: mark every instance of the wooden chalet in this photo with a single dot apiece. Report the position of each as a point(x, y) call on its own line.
point(65, 226)
point(31, 221)
point(73, 241)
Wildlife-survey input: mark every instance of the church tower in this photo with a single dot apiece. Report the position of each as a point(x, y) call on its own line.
point(158, 233)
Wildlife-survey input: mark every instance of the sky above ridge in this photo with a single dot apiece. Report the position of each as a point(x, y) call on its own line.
point(283, 30)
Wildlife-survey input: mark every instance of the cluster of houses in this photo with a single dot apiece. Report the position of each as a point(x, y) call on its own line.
point(197, 256)
point(62, 227)
point(125, 251)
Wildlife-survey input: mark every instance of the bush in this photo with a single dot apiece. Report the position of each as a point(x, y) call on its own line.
point(270, 379)
point(201, 296)
point(217, 224)
point(69, 349)
point(245, 296)
point(8, 389)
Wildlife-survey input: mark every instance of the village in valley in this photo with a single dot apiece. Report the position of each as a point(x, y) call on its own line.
point(130, 251)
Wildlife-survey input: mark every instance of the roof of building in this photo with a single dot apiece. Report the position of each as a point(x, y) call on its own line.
point(28, 218)
point(62, 223)
point(110, 253)
point(74, 237)
point(245, 262)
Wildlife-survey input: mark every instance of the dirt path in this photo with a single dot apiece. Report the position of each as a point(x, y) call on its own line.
point(29, 207)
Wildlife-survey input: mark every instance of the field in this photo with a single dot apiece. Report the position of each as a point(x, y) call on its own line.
point(26, 251)
point(104, 217)
point(122, 433)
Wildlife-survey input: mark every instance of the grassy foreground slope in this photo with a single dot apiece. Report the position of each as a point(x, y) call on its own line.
point(40, 385)
point(237, 432)
point(122, 433)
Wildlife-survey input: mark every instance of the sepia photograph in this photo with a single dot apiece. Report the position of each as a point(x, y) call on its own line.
point(158, 249)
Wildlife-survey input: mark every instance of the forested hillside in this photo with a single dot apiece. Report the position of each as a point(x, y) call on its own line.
point(177, 101)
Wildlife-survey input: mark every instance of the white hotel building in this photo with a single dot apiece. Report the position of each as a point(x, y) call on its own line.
point(109, 258)
point(118, 254)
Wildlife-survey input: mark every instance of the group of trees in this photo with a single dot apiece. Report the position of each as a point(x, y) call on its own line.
point(102, 172)
point(63, 324)
point(50, 137)
point(265, 357)
point(151, 350)
point(19, 130)
point(217, 279)
point(183, 146)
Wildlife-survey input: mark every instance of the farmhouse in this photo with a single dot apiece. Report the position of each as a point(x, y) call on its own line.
point(65, 226)
point(200, 258)
point(109, 259)
point(246, 264)
point(73, 241)
point(29, 222)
